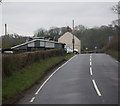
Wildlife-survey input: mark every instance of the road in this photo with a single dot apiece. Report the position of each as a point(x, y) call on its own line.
point(84, 79)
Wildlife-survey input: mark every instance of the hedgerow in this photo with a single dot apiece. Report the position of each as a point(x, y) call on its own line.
point(15, 62)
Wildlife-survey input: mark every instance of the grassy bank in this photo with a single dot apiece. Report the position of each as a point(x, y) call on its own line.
point(21, 80)
point(114, 54)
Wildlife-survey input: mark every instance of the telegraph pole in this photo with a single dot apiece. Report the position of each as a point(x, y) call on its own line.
point(73, 41)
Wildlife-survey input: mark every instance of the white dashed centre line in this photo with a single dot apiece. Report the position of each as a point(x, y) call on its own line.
point(90, 59)
point(90, 63)
point(91, 73)
point(96, 88)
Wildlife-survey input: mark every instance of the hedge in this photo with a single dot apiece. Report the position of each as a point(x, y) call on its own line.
point(15, 62)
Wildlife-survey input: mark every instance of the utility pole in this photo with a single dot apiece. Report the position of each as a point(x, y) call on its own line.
point(5, 29)
point(73, 40)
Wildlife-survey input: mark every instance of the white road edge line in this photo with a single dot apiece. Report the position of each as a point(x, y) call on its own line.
point(32, 99)
point(52, 75)
point(91, 73)
point(96, 88)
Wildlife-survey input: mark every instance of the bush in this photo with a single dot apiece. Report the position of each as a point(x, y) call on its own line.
point(15, 62)
point(113, 44)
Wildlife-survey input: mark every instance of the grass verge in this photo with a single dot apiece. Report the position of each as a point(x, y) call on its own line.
point(114, 54)
point(22, 80)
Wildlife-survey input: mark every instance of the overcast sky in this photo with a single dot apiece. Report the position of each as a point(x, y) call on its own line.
point(26, 17)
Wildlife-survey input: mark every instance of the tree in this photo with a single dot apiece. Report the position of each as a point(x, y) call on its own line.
point(12, 40)
point(116, 8)
point(53, 33)
point(79, 30)
point(63, 30)
point(41, 32)
point(116, 23)
point(90, 37)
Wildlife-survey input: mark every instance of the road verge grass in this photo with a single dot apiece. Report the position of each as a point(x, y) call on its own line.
point(23, 79)
point(114, 54)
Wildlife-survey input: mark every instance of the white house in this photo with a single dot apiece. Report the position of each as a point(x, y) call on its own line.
point(67, 39)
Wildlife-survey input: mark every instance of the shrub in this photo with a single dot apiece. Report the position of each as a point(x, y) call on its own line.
point(15, 62)
point(113, 44)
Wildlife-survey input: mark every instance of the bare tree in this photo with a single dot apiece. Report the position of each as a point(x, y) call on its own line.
point(116, 22)
point(116, 8)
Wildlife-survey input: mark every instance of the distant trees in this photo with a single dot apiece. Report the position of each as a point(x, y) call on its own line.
point(95, 37)
point(113, 44)
point(53, 32)
point(116, 23)
point(12, 40)
point(90, 37)
point(41, 32)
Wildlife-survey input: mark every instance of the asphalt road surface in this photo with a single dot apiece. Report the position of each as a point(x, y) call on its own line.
point(84, 79)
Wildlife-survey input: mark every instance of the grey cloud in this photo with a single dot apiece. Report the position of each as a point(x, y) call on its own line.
point(27, 17)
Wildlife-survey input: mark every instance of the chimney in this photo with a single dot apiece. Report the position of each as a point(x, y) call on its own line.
point(69, 29)
point(5, 29)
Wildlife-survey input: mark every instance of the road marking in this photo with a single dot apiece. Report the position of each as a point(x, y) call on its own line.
point(90, 63)
point(90, 55)
point(96, 88)
point(52, 75)
point(32, 99)
point(90, 59)
point(91, 73)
